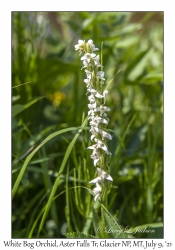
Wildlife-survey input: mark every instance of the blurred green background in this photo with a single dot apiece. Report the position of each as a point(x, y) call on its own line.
point(48, 94)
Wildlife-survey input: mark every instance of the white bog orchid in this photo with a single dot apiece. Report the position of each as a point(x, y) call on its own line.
point(102, 175)
point(97, 191)
point(88, 73)
point(95, 93)
point(102, 109)
point(99, 119)
point(105, 95)
point(92, 137)
point(93, 123)
point(100, 75)
point(96, 180)
point(87, 81)
point(92, 106)
point(97, 115)
point(85, 63)
point(103, 133)
point(91, 98)
point(95, 156)
point(80, 44)
point(87, 57)
point(96, 61)
point(92, 46)
point(99, 144)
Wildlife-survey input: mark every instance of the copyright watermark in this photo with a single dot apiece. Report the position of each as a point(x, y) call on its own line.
point(127, 229)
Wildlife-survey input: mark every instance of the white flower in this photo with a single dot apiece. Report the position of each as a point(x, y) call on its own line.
point(88, 83)
point(99, 119)
point(103, 175)
point(95, 93)
point(95, 122)
point(105, 95)
point(97, 130)
point(102, 109)
point(80, 45)
point(88, 73)
point(105, 116)
point(92, 105)
point(95, 156)
point(103, 133)
point(92, 137)
point(91, 98)
point(85, 63)
point(96, 180)
point(91, 117)
point(88, 57)
point(97, 191)
point(99, 144)
point(90, 42)
point(100, 74)
point(96, 61)
point(91, 113)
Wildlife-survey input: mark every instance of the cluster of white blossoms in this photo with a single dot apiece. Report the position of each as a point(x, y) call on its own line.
point(97, 115)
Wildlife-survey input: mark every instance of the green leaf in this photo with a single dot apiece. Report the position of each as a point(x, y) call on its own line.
point(87, 22)
point(90, 217)
point(152, 78)
point(136, 139)
point(158, 233)
point(127, 29)
point(150, 225)
point(103, 226)
point(138, 65)
point(33, 153)
point(111, 226)
point(155, 230)
point(57, 181)
point(18, 108)
point(42, 211)
point(97, 223)
point(79, 235)
point(129, 41)
point(39, 215)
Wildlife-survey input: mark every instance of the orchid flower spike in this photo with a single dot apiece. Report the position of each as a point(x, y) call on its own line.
point(97, 114)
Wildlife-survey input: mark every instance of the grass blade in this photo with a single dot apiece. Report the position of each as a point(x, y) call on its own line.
point(66, 156)
point(18, 108)
point(33, 153)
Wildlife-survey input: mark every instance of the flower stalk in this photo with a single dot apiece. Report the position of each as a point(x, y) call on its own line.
point(97, 116)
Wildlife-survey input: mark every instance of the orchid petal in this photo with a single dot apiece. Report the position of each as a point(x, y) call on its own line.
point(95, 180)
point(109, 178)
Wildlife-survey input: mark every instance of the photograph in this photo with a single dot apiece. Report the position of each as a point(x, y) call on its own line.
point(87, 125)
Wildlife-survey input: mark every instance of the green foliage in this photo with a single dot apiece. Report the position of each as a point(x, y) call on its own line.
point(105, 227)
point(57, 181)
point(18, 108)
point(79, 235)
point(51, 194)
point(34, 151)
point(111, 226)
